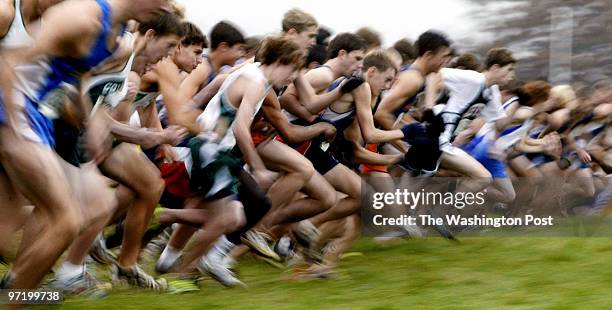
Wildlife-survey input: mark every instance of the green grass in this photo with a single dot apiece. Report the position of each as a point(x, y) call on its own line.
point(552, 273)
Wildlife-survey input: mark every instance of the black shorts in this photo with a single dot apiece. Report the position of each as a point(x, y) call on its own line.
point(322, 160)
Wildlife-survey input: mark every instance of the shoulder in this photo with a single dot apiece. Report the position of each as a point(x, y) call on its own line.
point(7, 14)
point(462, 76)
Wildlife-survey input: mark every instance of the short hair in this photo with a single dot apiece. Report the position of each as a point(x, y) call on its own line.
point(405, 48)
point(225, 32)
point(499, 56)
point(345, 41)
point(165, 24)
point(252, 44)
point(323, 36)
point(534, 92)
point(431, 41)
point(378, 59)
point(281, 50)
point(370, 36)
point(298, 20)
point(178, 9)
point(192, 35)
point(317, 53)
point(468, 61)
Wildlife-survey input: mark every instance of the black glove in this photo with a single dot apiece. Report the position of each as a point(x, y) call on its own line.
point(412, 132)
point(351, 83)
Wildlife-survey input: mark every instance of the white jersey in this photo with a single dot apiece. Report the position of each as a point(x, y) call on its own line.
point(220, 111)
point(111, 87)
point(17, 35)
point(466, 88)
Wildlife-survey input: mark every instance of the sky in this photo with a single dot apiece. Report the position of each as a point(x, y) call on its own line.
point(393, 19)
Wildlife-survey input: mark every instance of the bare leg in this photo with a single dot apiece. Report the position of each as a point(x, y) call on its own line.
point(129, 166)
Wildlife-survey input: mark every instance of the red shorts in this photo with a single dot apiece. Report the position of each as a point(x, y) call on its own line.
point(258, 137)
point(176, 179)
point(302, 148)
point(365, 168)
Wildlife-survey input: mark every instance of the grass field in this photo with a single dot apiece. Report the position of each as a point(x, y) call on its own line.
point(552, 273)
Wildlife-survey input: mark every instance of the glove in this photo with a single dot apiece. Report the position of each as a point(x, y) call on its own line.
point(412, 132)
point(351, 83)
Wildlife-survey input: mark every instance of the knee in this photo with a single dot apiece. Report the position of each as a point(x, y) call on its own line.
point(152, 188)
point(330, 200)
point(235, 219)
point(509, 195)
point(304, 170)
point(69, 227)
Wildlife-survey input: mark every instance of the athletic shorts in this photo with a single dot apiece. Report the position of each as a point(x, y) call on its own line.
point(215, 174)
point(176, 178)
point(31, 124)
point(258, 137)
point(479, 149)
point(321, 160)
point(68, 143)
point(365, 168)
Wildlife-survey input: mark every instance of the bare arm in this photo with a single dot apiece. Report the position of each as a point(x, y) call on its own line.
point(369, 132)
point(292, 133)
point(178, 112)
point(365, 156)
point(310, 100)
point(242, 125)
point(406, 87)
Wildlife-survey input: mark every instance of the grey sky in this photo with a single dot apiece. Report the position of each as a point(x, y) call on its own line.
point(393, 19)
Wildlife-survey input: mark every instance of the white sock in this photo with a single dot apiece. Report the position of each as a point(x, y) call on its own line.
point(169, 255)
point(68, 270)
point(220, 249)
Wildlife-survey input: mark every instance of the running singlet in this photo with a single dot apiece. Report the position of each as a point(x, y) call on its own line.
point(43, 89)
point(215, 165)
point(467, 88)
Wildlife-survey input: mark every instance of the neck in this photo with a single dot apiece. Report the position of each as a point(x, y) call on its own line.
point(336, 68)
point(267, 72)
point(419, 65)
point(488, 79)
point(30, 10)
point(215, 60)
point(122, 11)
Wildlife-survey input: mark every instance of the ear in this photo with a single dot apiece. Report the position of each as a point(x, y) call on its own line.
point(342, 53)
point(222, 47)
point(150, 34)
point(371, 70)
point(292, 32)
point(494, 67)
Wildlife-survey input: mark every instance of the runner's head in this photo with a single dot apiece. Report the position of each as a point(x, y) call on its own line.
point(500, 65)
point(406, 50)
point(227, 42)
point(533, 93)
point(468, 61)
point(301, 28)
point(162, 36)
point(433, 49)
point(317, 55)
point(349, 49)
point(281, 59)
point(145, 10)
point(379, 71)
point(251, 45)
point(190, 49)
point(371, 37)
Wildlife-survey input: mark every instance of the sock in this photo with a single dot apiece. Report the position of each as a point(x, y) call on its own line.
point(69, 270)
point(169, 256)
point(220, 249)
